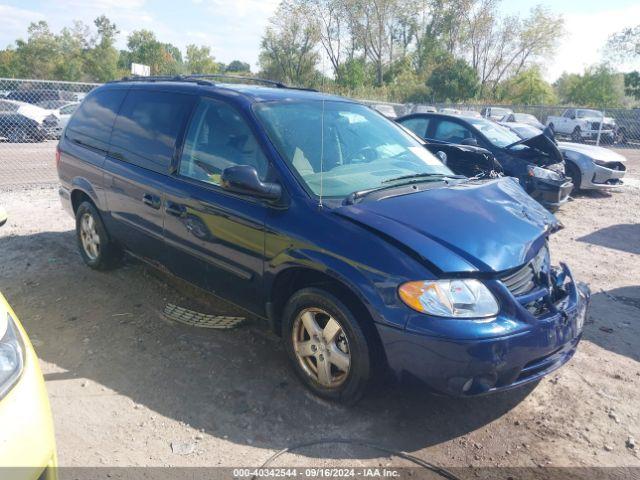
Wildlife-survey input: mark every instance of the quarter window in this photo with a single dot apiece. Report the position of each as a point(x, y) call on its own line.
point(92, 122)
point(218, 137)
point(417, 125)
point(147, 127)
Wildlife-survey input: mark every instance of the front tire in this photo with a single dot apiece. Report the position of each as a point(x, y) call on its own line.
point(576, 177)
point(326, 346)
point(576, 135)
point(96, 247)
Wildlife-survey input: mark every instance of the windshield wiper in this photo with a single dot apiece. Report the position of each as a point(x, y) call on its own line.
point(357, 195)
point(422, 175)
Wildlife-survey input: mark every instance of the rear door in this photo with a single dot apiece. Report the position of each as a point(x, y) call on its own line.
point(214, 238)
point(137, 166)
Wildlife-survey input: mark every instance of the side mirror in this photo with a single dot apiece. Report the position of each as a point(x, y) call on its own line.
point(469, 141)
point(573, 117)
point(548, 132)
point(3, 216)
point(442, 156)
point(244, 179)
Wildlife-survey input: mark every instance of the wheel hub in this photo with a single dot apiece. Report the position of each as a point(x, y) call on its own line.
point(321, 347)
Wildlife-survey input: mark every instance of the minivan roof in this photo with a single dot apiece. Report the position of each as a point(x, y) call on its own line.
point(252, 93)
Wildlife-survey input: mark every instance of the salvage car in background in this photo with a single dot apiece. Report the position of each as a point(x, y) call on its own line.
point(495, 113)
point(536, 162)
point(589, 166)
point(525, 118)
point(583, 124)
point(62, 109)
point(23, 122)
point(27, 444)
point(628, 123)
point(386, 110)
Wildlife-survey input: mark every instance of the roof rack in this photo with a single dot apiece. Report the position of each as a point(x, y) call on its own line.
point(201, 78)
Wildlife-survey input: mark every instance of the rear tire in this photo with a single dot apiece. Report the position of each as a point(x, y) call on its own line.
point(574, 172)
point(96, 247)
point(334, 366)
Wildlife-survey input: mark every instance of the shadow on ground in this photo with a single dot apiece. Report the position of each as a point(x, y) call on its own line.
point(614, 321)
point(109, 328)
point(616, 237)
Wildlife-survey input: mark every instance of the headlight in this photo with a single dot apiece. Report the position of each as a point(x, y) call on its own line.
point(543, 173)
point(468, 298)
point(11, 355)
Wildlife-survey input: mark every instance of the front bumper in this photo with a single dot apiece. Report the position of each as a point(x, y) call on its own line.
point(593, 134)
point(549, 193)
point(535, 347)
point(27, 444)
point(604, 176)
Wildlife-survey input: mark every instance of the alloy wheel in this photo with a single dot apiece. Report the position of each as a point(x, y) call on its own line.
point(321, 347)
point(89, 236)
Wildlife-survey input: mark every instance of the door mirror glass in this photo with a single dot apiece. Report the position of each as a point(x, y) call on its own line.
point(244, 179)
point(442, 156)
point(469, 141)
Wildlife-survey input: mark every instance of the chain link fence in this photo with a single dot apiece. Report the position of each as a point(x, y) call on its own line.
point(33, 114)
point(619, 128)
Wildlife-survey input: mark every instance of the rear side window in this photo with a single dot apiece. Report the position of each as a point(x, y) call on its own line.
point(147, 128)
point(451, 132)
point(93, 120)
point(417, 125)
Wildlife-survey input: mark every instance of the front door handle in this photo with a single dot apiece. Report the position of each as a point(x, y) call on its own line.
point(151, 200)
point(175, 209)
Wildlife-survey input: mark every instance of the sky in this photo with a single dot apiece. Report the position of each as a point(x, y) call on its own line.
point(233, 28)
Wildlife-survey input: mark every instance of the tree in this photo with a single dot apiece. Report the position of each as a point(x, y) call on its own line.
point(598, 87)
point(500, 48)
point(200, 60)
point(144, 48)
point(288, 48)
point(39, 55)
point(528, 87)
point(236, 66)
point(102, 59)
point(454, 80)
point(625, 44)
point(631, 84)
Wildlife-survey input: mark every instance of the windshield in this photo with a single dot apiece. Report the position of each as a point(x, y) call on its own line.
point(496, 134)
point(355, 148)
point(588, 113)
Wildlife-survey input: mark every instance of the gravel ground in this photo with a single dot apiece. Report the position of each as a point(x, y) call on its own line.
point(130, 388)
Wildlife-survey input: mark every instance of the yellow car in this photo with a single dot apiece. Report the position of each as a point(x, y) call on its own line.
point(27, 444)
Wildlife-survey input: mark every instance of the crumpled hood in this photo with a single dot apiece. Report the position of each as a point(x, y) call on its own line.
point(475, 226)
point(543, 144)
point(592, 151)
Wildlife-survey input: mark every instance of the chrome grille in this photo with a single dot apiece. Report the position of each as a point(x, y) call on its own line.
point(533, 274)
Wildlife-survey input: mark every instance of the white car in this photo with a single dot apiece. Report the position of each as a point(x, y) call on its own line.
point(583, 124)
point(589, 166)
point(48, 121)
point(62, 109)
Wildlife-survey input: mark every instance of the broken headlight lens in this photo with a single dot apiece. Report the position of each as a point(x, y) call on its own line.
point(543, 173)
point(11, 354)
point(457, 298)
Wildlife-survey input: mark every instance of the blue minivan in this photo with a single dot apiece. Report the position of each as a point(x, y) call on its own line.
point(363, 251)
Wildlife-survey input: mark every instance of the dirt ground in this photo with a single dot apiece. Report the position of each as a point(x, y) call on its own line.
point(130, 388)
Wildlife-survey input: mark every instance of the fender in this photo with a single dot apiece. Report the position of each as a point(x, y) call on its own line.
point(375, 289)
point(83, 185)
